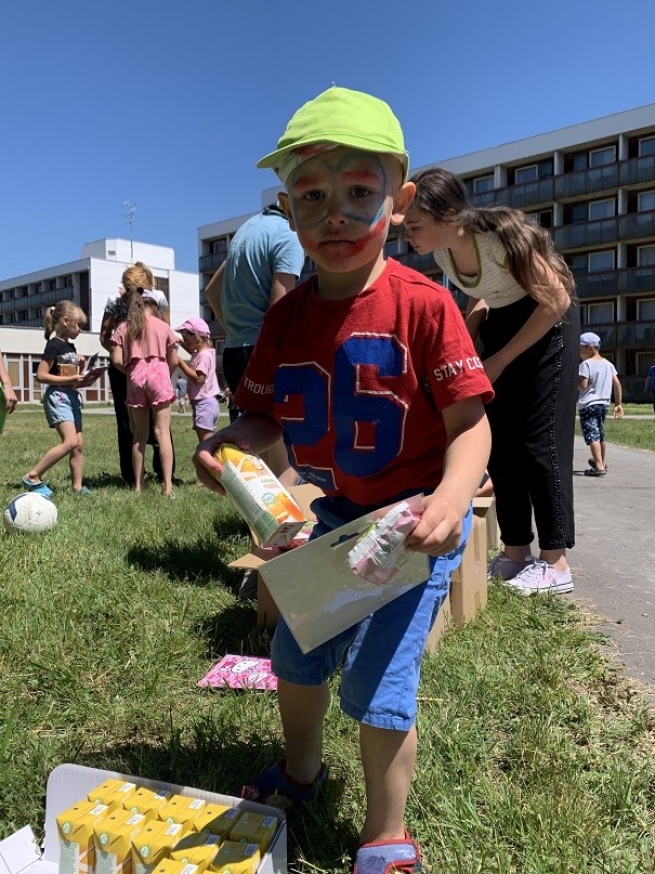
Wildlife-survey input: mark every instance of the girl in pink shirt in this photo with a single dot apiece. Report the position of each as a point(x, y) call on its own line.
point(145, 349)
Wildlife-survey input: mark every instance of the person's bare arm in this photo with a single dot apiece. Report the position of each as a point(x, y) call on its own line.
point(476, 313)
point(281, 284)
point(618, 397)
point(106, 330)
point(7, 388)
point(214, 294)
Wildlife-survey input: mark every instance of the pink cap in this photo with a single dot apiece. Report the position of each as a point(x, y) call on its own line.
point(195, 326)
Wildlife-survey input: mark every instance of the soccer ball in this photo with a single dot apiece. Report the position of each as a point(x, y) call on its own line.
point(30, 513)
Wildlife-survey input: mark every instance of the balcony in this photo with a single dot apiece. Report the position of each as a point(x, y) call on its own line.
point(582, 235)
point(581, 182)
point(210, 263)
point(636, 170)
point(637, 225)
point(637, 280)
point(423, 263)
point(636, 335)
point(601, 284)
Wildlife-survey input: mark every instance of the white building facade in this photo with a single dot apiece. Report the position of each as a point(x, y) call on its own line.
point(90, 282)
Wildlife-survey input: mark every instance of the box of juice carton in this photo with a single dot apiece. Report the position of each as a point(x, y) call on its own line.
point(69, 785)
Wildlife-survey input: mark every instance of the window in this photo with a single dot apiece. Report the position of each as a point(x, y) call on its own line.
point(600, 209)
point(643, 362)
point(527, 174)
point(543, 217)
point(600, 313)
point(483, 183)
point(600, 157)
point(580, 161)
point(646, 201)
point(68, 282)
point(645, 256)
point(597, 261)
point(646, 310)
point(218, 247)
point(52, 285)
point(646, 146)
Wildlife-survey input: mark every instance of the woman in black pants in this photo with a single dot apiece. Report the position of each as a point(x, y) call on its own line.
point(137, 277)
point(522, 309)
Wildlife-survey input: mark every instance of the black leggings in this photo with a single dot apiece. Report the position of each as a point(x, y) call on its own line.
point(235, 361)
point(118, 383)
point(532, 420)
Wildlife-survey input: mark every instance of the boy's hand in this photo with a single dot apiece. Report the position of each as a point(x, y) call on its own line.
point(618, 411)
point(207, 467)
point(439, 530)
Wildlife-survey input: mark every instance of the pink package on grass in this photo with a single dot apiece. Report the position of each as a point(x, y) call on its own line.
point(241, 672)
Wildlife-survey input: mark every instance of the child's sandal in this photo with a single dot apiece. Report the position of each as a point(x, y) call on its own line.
point(383, 857)
point(275, 788)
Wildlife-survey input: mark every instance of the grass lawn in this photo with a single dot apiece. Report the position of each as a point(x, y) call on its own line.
point(534, 755)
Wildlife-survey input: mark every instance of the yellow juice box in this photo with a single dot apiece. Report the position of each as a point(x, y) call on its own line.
point(223, 823)
point(146, 801)
point(170, 866)
point(153, 843)
point(181, 808)
point(208, 815)
point(113, 841)
point(235, 857)
point(271, 512)
point(75, 830)
point(197, 848)
point(112, 792)
point(253, 828)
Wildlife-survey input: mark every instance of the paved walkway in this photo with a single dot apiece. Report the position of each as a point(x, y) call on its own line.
point(613, 562)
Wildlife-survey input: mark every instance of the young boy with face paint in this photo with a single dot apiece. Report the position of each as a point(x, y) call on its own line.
point(368, 371)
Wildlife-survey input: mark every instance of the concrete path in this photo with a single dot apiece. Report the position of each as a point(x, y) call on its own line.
point(613, 562)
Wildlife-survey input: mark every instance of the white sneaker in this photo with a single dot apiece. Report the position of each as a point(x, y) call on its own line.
point(502, 566)
point(539, 576)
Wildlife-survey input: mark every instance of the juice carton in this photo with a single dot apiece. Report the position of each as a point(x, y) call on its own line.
point(153, 843)
point(196, 848)
point(146, 801)
point(75, 830)
point(181, 808)
point(235, 857)
point(113, 793)
point(169, 866)
point(208, 815)
point(222, 823)
point(271, 512)
point(113, 841)
point(253, 828)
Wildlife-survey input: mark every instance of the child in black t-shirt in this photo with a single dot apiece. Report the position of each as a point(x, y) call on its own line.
point(60, 369)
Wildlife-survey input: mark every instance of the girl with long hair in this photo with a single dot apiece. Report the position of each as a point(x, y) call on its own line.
point(522, 309)
point(60, 369)
point(144, 347)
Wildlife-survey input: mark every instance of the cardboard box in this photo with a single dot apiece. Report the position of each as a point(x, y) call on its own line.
point(468, 584)
point(485, 508)
point(441, 623)
point(267, 611)
point(68, 784)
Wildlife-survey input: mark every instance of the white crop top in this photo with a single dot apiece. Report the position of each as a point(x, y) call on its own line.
point(493, 281)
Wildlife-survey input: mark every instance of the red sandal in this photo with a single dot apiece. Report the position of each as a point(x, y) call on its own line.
point(384, 857)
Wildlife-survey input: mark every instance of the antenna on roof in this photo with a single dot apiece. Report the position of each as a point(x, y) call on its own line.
point(131, 218)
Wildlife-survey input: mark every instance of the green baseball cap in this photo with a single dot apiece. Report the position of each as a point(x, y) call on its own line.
point(344, 118)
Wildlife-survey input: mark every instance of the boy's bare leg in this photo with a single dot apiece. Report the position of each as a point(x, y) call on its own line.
point(597, 454)
point(388, 758)
point(303, 709)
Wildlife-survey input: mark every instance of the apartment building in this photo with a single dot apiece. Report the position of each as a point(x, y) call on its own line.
point(89, 281)
point(593, 186)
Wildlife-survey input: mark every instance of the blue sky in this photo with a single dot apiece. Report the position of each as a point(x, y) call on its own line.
point(168, 104)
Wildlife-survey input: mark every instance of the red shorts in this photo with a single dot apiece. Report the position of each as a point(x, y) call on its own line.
point(149, 383)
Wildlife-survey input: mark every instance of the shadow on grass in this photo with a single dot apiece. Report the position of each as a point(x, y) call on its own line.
point(235, 631)
point(105, 480)
point(218, 759)
point(200, 562)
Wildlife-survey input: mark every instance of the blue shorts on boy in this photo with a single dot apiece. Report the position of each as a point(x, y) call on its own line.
point(62, 405)
point(592, 423)
point(380, 657)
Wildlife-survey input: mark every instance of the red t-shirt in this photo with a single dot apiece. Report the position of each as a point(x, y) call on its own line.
point(358, 384)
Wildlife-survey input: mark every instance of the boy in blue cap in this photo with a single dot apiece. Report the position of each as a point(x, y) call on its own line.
point(368, 371)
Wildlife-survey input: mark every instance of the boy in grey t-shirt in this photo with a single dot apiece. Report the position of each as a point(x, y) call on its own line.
point(597, 378)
